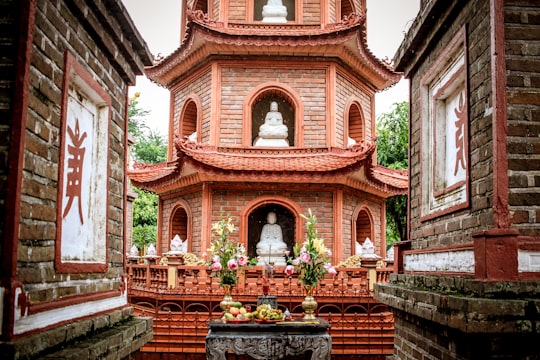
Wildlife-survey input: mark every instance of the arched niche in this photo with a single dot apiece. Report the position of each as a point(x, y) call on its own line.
point(257, 105)
point(200, 5)
point(362, 226)
point(257, 219)
point(346, 8)
point(189, 118)
point(179, 223)
point(355, 122)
point(253, 218)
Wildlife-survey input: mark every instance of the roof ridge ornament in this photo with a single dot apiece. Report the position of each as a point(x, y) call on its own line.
point(202, 18)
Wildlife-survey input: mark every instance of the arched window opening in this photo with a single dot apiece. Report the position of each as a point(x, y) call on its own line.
point(356, 126)
point(201, 5)
point(179, 226)
point(363, 227)
point(188, 124)
point(260, 109)
point(347, 8)
point(258, 218)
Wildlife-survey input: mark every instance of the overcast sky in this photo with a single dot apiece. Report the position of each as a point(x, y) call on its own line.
point(158, 21)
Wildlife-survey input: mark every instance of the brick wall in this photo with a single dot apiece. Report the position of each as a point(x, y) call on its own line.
point(346, 90)
point(351, 202)
point(457, 227)
point(238, 82)
point(313, 197)
point(310, 85)
point(523, 98)
point(38, 300)
point(199, 86)
point(312, 11)
point(55, 31)
point(233, 202)
point(8, 27)
point(194, 200)
point(237, 11)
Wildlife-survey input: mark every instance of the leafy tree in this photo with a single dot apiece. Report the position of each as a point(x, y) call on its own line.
point(392, 152)
point(150, 147)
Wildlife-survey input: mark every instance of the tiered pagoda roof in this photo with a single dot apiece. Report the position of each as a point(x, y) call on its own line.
point(346, 41)
point(197, 163)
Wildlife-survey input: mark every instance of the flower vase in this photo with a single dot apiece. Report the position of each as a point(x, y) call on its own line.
point(309, 304)
point(227, 301)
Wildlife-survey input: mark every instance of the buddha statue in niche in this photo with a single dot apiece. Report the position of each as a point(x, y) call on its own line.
point(273, 132)
point(274, 11)
point(271, 247)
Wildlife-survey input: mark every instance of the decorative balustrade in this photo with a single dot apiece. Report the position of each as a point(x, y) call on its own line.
point(198, 280)
point(182, 299)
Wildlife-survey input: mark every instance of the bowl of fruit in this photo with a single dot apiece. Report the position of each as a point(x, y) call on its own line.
point(266, 314)
point(237, 314)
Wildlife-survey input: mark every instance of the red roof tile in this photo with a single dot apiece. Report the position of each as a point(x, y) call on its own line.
point(316, 160)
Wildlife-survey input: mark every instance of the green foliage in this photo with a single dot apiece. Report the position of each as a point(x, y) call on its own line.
point(145, 206)
point(144, 218)
point(392, 152)
point(137, 117)
point(144, 235)
point(393, 137)
point(151, 148)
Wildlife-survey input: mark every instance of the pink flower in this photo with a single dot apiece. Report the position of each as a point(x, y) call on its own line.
point(305, 258)
point(232, 264)
point(296, 261)
point(216, 266)
point(216, 258)
point(242, 260)
point(332, 270)
point(289, 270)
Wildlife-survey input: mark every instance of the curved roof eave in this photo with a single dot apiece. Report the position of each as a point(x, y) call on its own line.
point(346, 40)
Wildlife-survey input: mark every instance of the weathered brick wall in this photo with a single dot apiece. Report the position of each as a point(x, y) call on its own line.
point(57, 30)
point(522, 48)
point(454, 318)
point(457, 227)
point(8, 49)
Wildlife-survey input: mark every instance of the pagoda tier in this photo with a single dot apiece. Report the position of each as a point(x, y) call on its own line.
point(345, 41)
point(198, 163)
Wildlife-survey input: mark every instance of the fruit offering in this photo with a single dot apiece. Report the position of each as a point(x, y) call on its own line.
point(237, 312)
point(265, 312)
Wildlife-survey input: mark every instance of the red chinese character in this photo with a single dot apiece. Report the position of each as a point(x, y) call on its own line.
point(460, 123)
point(75, 163)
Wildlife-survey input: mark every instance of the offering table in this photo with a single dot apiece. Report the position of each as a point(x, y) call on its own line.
point(268, 341)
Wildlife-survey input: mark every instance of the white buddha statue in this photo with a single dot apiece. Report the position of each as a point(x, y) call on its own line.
point(274, 11)
point(271, 247)
point(273, 132)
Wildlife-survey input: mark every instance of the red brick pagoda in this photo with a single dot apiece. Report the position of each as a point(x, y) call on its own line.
point(312, 61)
